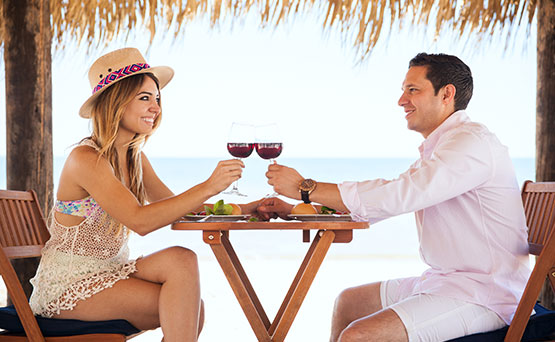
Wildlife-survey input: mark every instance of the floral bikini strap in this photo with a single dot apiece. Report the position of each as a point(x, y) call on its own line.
point(83, 207)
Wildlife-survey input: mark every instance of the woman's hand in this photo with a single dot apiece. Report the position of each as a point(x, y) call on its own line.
point(273, 207)
point(225, 173)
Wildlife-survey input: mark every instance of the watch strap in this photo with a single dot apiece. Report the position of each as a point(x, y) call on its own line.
point(304, 196)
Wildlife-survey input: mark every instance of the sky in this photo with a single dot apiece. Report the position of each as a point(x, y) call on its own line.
point(307, 80)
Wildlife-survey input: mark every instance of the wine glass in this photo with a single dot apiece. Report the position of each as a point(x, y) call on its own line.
point(240, 145)
point(268, 144)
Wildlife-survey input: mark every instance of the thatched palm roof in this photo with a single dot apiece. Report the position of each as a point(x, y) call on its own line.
point(98, 22)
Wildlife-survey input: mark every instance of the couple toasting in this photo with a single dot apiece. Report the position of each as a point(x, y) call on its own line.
point(462, 189)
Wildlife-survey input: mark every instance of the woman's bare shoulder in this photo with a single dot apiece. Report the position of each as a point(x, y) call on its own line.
point(84, 159)
point(77, 167)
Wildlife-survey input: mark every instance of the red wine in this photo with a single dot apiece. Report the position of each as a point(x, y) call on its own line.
point(240, 150)
point(268, 150)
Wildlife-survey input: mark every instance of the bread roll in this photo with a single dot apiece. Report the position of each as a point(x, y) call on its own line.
point(236, 209)
point(304, 208)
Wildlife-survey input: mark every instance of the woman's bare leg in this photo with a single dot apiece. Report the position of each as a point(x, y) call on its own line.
point(165, 291)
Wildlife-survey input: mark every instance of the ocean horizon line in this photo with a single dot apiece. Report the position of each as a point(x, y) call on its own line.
point(293, 157)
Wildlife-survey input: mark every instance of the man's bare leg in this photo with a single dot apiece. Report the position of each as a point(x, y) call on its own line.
point(384, 325)
point(358, 316)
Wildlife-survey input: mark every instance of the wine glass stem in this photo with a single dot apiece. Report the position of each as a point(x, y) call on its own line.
point(273, 194)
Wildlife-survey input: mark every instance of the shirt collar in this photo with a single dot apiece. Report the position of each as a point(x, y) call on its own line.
point(451, 122)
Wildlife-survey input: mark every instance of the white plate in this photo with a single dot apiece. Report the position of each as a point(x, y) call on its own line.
point(320, 217)
point(215, 218)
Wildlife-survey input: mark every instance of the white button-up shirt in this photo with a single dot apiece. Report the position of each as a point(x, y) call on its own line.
point(469, 215)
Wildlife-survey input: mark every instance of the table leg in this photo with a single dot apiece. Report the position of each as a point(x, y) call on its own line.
point(237, 278)
point(240, 284)
point(299, 288)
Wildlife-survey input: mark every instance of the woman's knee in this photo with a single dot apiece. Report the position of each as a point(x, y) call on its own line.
point(168, 263)
point(180, 256)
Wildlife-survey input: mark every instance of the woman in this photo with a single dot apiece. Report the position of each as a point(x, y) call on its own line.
point(103, 192)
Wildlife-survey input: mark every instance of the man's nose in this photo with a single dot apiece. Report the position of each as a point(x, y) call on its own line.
point(402, 100)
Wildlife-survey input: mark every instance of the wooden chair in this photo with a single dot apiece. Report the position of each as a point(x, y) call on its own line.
point(23, 234)
point(539, 207)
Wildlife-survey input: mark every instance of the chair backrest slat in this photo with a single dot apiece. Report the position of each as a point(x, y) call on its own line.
point(550, 211)
point(541, 233)
point(25, 233)
point(22, 223)
point(38, 221)
point(535, 212)
point(3, 221)
point(9, 229)
point(539, 207)
point(33, 224)
point(26, 214)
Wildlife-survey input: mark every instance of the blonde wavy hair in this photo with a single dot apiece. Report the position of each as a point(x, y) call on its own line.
point(107, 114)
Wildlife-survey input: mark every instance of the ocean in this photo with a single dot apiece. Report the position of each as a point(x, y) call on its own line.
point(393, 237)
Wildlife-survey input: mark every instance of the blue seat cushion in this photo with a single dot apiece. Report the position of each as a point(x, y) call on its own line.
point(540, 326)
point(65, 327)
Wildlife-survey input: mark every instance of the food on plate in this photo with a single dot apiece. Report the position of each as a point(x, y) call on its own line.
point(327, 211)
point(304, 209)
point(236, 209)
point(219, 208)
point(330, 211)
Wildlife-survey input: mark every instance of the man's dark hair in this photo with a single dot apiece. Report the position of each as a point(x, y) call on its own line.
point(446, 69)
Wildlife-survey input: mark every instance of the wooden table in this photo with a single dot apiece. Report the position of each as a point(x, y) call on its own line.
point(216, 234)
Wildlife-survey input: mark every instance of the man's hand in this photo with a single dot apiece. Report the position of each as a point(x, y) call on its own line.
point(285, 180)
point(273, 207)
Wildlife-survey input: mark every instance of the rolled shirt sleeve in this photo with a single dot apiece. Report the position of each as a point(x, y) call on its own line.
point(460, 162)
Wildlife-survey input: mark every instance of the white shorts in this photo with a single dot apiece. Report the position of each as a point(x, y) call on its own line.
point(430, 317)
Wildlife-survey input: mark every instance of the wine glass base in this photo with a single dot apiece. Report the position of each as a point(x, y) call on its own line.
point(234, 192)
point(275, 194)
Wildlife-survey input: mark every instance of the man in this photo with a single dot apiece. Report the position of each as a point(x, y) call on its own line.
point(469, 217)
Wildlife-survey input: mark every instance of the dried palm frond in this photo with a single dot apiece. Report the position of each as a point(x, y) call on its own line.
point(97, 22)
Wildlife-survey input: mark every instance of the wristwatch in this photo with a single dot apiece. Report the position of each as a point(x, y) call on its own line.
point(306, 187)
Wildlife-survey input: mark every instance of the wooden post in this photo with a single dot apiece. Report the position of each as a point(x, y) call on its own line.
point(545, 108)
point(27, 59)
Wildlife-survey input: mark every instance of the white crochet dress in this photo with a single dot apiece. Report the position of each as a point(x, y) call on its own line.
point(79, 261)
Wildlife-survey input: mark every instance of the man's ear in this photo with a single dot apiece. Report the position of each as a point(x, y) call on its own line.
point(448, 94)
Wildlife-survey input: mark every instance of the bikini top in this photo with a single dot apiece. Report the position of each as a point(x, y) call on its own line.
point(82, 207)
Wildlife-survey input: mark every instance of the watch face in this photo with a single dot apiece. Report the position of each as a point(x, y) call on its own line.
point(307, 185)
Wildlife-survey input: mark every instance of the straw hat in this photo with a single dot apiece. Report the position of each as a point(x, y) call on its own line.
point(115, 66)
